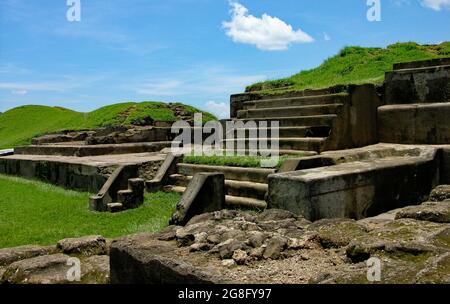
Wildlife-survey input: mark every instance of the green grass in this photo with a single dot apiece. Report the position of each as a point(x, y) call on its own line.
point(19, 125)
point(234, 161)
point(354, 65)
point(33, 212)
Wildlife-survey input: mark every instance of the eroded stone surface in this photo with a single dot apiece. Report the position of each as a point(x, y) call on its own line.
point(95, 269)
point(49, 269)
point(279, 247)
point(56, 269)
point(89, 245)
point(11, 255)
point(50, 264)
point(440, 193)
point(438, 212)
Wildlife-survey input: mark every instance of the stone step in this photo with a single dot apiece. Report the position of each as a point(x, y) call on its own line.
point(305, 144)
point(245, 202)
point(299, 121)
point(266, 152)
point(291, 111)
point(244, 152)
point(309, 92)
point(319, 131)
point(115, 207)
point(257, 175)
point(296, 101)
point(422, 64)
point(231, 201)
point(92, 150)
point(232, 187)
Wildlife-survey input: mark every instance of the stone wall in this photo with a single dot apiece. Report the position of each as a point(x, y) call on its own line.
point(92, 150)
point(427, 81)
point(72, 176)
point(356, 125)
point(445, 166)
point(414, 124)
point(357, 189)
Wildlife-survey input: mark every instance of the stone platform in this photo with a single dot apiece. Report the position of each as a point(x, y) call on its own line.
point(361, 182)
point(79, 173)
point(81, 150)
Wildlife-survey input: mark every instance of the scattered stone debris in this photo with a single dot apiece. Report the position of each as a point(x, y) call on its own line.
point(277, 246)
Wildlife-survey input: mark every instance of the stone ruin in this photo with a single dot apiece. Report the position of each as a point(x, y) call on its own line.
point(369, 158)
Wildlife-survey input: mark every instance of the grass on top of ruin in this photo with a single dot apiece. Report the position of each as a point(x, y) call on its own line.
point(33, 212)
point(236, 160)
point(354, 65)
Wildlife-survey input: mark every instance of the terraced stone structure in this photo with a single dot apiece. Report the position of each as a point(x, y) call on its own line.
point(363, 159)
point(309, 122)
point(348, 183)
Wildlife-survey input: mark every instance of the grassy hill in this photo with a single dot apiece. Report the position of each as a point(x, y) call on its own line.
point(354, 65)
point(19, 125)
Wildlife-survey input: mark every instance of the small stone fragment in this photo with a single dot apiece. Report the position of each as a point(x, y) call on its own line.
point(240, 257)
point(274, 247)
point(228, 263)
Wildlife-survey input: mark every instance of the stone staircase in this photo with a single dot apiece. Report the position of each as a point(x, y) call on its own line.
point(245, 187)
point(306, 122)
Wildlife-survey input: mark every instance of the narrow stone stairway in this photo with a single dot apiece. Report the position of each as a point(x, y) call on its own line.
point(305, 123)
point(245, 187)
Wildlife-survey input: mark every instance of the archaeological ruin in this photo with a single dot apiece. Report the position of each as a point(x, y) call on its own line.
point(363, 175)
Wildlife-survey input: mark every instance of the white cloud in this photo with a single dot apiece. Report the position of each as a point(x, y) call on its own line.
point(326, 37)
point(220, 109)
point(436, 5)
point(19, 92)
point(267, 33)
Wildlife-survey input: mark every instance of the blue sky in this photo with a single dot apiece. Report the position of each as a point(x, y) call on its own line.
point(193, 51)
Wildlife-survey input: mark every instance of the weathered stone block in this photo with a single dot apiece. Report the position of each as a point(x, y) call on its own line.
point(438, 212)
point(115, 207)
point(205, 193)
point(153, 265)
point(50, 269)
point(89, 245)
point(445, 166)
point(414, 124)
point(11, 255)
point(429, 83)
point(137, 186)
point(54, 269)
point(356, 189)
point(440, 193)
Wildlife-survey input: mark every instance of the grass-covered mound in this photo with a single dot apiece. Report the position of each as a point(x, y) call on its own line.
point(355, 65)
point(33, 212)
point(19, 125)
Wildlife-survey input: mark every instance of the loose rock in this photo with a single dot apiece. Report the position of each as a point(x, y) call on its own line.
point(11, 255)
point(440, 193)
point(89, 245)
